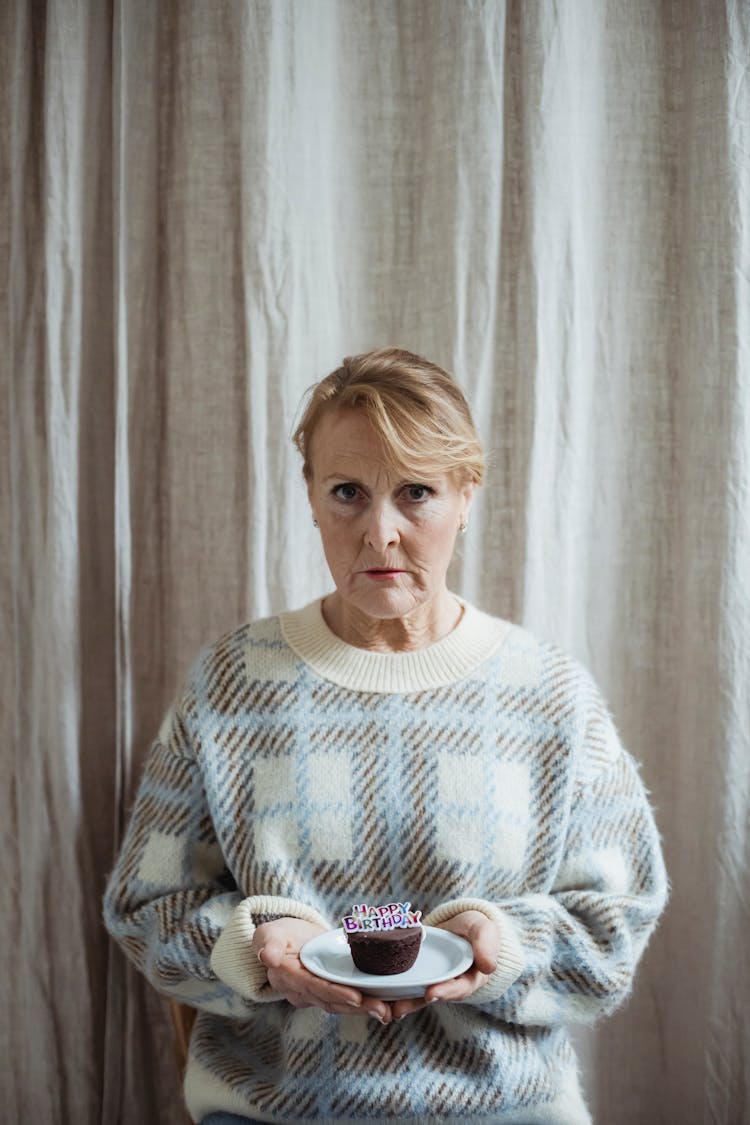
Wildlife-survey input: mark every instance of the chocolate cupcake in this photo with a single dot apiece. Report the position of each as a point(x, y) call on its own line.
point(384, 940)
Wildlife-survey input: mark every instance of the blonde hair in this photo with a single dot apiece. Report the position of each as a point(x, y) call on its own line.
point(416, 408)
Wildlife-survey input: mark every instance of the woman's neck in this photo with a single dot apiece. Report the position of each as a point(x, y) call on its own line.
point(426, 625)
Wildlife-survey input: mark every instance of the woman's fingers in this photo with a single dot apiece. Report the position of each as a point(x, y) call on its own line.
point(486, 944)
point(272, 953)
point(294, 979)
point(283, 935)
point(297, 1001)
point(277, 945)
point(482, 933)
point(402, 1008)
point(457, 989)
point(484, 937)
point(460, 988)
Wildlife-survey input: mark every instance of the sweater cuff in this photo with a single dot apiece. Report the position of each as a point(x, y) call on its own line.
point(510, 957)
point(234, 960)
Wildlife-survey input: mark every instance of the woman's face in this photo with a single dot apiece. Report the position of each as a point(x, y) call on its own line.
point(388, 539)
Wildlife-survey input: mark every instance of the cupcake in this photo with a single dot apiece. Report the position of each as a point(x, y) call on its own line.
point(384, 940)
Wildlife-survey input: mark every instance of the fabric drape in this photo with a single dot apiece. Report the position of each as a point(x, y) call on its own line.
point(204, 207)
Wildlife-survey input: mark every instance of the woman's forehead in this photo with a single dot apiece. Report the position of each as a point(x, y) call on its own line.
point(360, 467)
point(345, 445)
point(375, 471)
point(348, 426)
point(345, 440)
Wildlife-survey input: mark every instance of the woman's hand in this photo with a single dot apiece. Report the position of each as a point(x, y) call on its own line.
point(277, 945)
point(484, 938)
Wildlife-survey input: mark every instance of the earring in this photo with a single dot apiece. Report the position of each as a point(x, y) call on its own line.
point(463, 526)
point(315, 522)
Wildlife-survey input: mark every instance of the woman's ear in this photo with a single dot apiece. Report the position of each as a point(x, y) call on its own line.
point(467, 492)
point(310, 499)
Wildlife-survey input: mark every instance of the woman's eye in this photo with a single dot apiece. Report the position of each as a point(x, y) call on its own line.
point(418, 492)
point(345, 491)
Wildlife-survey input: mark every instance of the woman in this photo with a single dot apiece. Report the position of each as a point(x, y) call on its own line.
point(388, 742)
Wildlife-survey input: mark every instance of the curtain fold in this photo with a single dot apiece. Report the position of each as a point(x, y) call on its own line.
point(205, 207)
point(727, 1054)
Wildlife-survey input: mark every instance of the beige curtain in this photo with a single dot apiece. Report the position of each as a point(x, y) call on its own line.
point(204, 206)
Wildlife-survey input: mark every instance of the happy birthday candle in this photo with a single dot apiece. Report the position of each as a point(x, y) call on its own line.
point(394, 915)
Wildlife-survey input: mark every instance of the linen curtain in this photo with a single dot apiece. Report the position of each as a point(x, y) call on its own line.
point(204, 207)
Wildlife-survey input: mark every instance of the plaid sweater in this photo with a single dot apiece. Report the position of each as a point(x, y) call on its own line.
point(295, 775)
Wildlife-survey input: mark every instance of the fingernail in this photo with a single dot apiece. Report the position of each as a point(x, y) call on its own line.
point(376, 1016)
point(434, 1000)
point(258, 955)
point(353, 1003)
point(399, 1018)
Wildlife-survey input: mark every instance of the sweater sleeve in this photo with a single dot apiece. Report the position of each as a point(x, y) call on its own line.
point(172, 904)
point(570, 955)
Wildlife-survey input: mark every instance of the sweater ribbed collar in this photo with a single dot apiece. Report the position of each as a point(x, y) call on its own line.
point(476, 637)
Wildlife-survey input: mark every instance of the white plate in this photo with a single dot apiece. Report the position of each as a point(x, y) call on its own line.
point(442, 955)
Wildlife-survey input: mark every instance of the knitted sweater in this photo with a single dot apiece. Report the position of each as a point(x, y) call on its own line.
point(296, 775)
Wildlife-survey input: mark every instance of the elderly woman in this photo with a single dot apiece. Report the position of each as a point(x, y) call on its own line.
point(388, 742)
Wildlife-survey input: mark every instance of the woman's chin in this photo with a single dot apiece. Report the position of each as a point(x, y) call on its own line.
point(385, 602)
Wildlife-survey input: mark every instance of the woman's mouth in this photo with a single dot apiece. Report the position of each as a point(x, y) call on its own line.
point(381, 575)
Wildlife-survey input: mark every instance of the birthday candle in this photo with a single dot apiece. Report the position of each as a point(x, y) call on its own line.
point(395, 915)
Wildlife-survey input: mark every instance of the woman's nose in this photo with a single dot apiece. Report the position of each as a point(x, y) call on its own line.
point(382, 527)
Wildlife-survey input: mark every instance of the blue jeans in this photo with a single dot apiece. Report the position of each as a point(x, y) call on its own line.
point(226, 1119)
